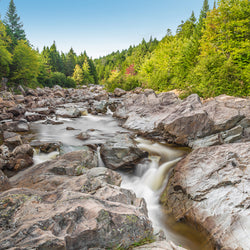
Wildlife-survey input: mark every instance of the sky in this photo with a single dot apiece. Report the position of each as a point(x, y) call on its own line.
point(99, 26)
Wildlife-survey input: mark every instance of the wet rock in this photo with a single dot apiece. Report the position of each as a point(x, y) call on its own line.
point(52, 122)
point(119, 92)
point(4, 182)
point(210, 188)
point(121, 152)
point(46, 147)
point(68, 112)
point(99, 107)
point(83, 136)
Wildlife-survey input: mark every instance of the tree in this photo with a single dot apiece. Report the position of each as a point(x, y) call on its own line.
point(14, 25)
point(224, 60)
point(70, 62)
point(5, 55)
point(25, 65)
point(78, 74)
point(87, 77)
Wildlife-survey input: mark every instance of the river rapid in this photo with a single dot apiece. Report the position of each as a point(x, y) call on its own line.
point(147, 180)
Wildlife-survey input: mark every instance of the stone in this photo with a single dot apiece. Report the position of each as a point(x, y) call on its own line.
point(12, 140)
point(83, 136)
point(68, 112)
point(160, 245)
point(210, 189)
point(46, 147)
point(68, 220)
point(121, 152)
point(16, 126)
point(186, 122)
point(4, 182)
point(119, 92)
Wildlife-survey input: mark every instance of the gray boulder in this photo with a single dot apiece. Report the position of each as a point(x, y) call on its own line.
point(121, 152)
point(210, 188)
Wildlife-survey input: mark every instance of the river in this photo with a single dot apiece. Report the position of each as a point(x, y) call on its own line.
point(147, 180)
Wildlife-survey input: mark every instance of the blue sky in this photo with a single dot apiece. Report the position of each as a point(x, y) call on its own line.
point(99, 26)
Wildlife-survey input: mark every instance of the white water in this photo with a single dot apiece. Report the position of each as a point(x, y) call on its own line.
point(149, 180)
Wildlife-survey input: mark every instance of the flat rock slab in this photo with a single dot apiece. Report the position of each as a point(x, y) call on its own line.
point(211, 188)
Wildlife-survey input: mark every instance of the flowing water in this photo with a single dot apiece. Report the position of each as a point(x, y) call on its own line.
point(147, 181)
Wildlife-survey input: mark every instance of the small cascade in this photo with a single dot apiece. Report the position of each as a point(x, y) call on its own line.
point(154, 179)
point(100, 162)
point(41, 157)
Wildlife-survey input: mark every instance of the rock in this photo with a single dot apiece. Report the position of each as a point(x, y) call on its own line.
point(6, 116)
point(99, 107)
point(23, 149)
point(62, 208)
point(119, 92)
point(46, 147)
point(210, 188)
point(52, 122)
point(68, 220)
point(12, 140)
point(4, 182)
point(16, 126)
point(160, 245)
point(68, 113)
point(22, 158)
point(83, 136)
point(188, 122)
point(17, 110)
point(121, 152)
point(32, 116)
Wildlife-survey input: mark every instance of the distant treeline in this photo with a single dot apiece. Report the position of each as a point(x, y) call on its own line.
point(209, 56)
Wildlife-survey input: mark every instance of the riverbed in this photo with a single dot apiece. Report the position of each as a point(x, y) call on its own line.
point(148, 178)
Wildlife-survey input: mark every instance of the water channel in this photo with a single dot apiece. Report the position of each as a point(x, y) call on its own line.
point(148, 179)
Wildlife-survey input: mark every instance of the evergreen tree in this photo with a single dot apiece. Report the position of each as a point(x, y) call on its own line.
point(78, 74)
point(5, 56)
point(14, 26)
point(70, 62)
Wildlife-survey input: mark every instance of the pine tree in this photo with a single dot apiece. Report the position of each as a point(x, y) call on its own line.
point(14, 26)
point(5, 56)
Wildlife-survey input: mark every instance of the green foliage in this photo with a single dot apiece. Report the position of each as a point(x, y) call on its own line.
point(225, 51)
point(25, 65)
point(14, 25)
point(5, 55)
point(58, 78)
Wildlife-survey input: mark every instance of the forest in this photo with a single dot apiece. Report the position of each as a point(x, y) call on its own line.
point(208, 55)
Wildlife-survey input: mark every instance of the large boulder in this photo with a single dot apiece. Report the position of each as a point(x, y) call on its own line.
point(190, 122)
point(210, 188)
point(68, 220)
point(70, 203)
point(121, 152)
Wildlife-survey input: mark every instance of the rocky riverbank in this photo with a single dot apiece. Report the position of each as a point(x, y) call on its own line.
point(73, 203)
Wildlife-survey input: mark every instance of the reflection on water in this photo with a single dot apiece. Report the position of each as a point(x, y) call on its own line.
point(148, 179)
